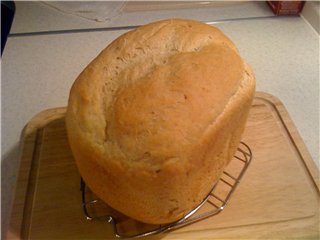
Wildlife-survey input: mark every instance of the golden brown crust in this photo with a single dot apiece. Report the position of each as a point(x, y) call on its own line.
point(155, 118)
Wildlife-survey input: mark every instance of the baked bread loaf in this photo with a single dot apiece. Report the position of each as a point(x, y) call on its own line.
point(154, 119)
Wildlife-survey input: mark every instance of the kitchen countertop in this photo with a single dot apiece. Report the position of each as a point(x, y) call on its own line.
point(53, 16)
point(42, 59)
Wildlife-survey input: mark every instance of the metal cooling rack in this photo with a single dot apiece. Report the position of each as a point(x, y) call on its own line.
point(215, 202)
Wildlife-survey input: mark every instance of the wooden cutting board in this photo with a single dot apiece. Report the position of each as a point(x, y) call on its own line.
point(278, 196)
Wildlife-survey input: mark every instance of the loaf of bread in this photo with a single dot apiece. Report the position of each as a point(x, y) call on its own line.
point(154, 119)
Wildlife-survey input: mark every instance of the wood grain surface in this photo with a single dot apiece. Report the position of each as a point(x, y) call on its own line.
point(277, 198)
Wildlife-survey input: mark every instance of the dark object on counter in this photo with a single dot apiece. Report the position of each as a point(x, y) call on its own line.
point(7, 12)
point(286, 7)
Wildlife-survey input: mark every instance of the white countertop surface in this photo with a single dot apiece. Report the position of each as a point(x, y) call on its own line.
point(53, 16)
point(38, 69)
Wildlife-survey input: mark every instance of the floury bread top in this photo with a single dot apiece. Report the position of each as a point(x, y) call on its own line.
point(154, 119)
